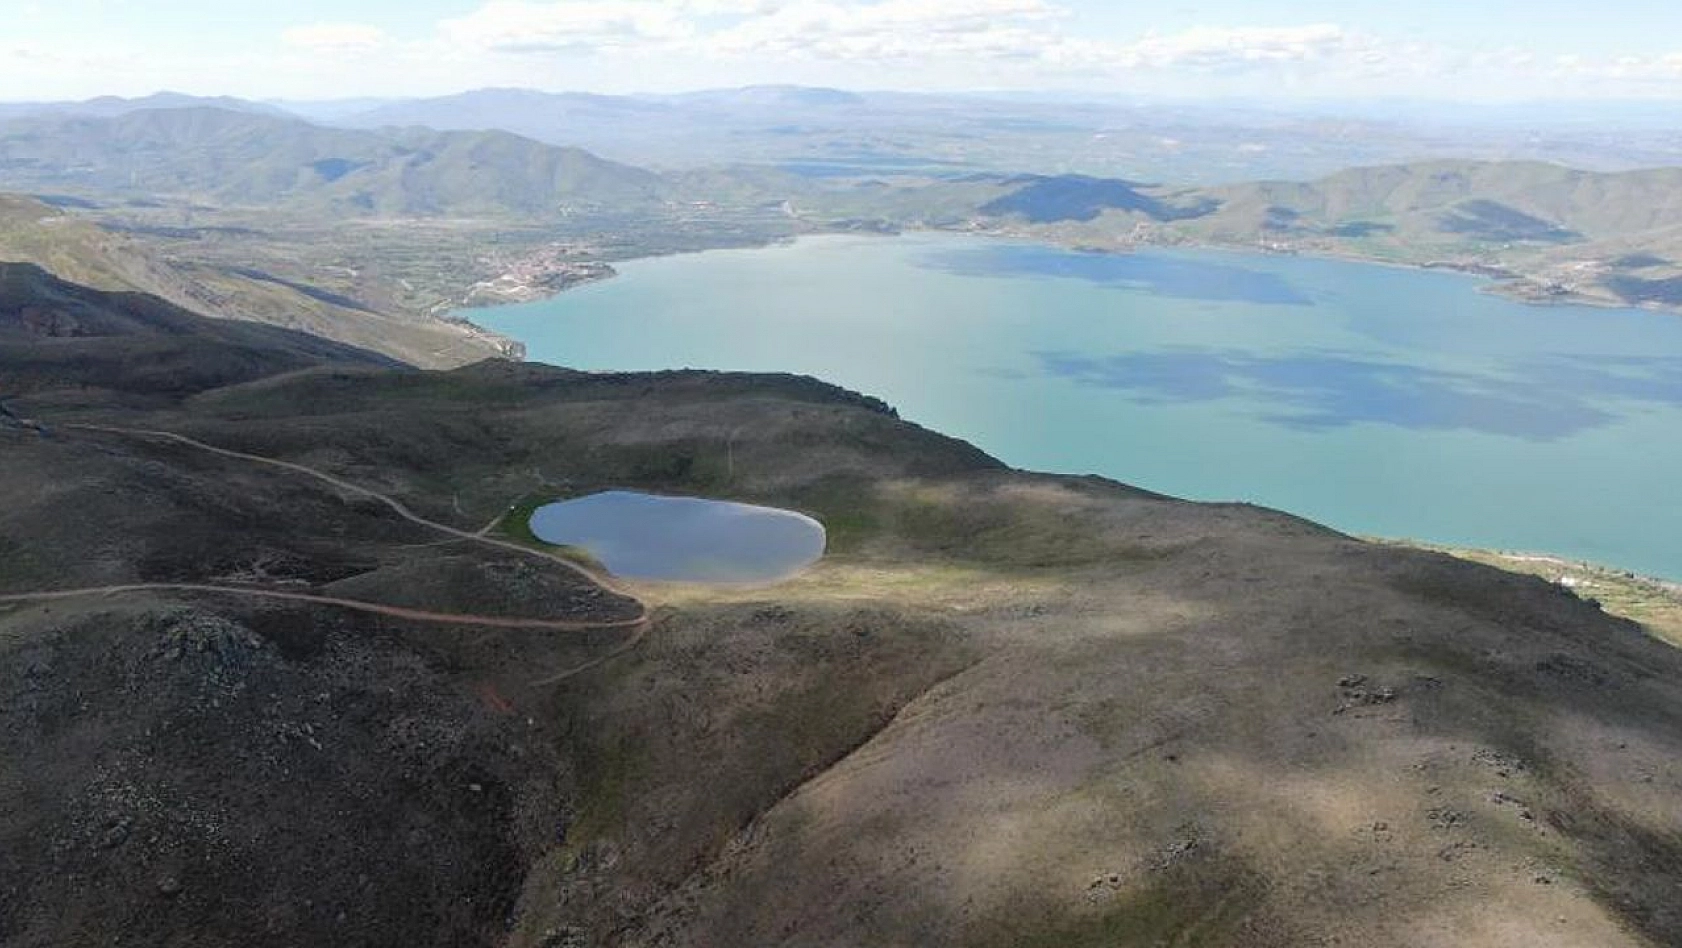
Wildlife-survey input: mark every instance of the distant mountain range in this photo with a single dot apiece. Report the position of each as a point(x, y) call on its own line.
point(109, 106)
point(819, 129)
point(252, 157)
point(1554, 232)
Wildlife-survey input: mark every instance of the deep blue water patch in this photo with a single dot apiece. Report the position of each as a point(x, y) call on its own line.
point(1656, 380)
point(1540, 400)
point(683, 539)
point(1146, 272)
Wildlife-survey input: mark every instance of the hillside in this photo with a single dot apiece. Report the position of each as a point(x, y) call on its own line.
point(55, 335)
point(249, 158)
point(1553, 232)
point(78, 249)
point(1006, 709)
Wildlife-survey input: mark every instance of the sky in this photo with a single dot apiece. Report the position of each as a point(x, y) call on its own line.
point(1465, 50)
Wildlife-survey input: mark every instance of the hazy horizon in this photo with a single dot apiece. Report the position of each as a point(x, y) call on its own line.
point(1291, 50)
point(1392, 107)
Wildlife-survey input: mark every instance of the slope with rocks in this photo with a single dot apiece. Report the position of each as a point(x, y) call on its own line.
point(1006, 709)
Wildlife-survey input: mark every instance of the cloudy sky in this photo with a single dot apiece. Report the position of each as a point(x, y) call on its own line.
point(1444, 49)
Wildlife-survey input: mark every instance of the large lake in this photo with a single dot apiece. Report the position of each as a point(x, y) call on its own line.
point(1377, 400)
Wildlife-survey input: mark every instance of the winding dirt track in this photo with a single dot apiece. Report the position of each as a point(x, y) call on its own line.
point(418, 615)
point(344, 485)
point(638, 624)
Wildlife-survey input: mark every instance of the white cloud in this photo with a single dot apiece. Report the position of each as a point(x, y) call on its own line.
point(1033, 34)
point(950, 44)
point(896, 30)
point(524, 27)
point(733, 7)
point(1216, 48)
point(839, 29)
point(335, 37)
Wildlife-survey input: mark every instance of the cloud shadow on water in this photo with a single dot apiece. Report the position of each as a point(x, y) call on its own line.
point(1540, 401)
point(1151, 273)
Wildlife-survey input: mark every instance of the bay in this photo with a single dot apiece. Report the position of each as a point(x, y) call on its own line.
point(1377, 400)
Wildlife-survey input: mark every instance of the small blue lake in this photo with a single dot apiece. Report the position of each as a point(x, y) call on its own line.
point(1376, 400)
point(683, 539)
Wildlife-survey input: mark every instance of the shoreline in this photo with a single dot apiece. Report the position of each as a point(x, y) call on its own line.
point(1485, 283)
point(1492, 279)
point(1535, 558)
point(1530, 562)
point(600, 271)
point(1507, 287)
point(1507, 284)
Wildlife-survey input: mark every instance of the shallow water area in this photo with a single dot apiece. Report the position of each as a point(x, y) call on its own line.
point(683, 539)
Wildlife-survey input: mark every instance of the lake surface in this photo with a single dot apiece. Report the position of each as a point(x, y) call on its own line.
point(643, 536)
point(1377, 400)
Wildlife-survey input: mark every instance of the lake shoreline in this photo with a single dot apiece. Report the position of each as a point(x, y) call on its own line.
point(696, 276)
point(1510, 285)
point(1494, 279)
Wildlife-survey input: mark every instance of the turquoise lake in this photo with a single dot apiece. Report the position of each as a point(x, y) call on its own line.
point(1376, 400)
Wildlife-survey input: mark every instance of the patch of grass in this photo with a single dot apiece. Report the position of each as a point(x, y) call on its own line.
point(515, 525)
point(1106, 720)
point(19, 567)
point(963, 526)
point(847, 508)
point(1004, 532)
point(608, 772)
point(688, 467)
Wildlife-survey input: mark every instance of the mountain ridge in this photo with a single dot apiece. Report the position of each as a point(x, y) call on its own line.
point(243, 158)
